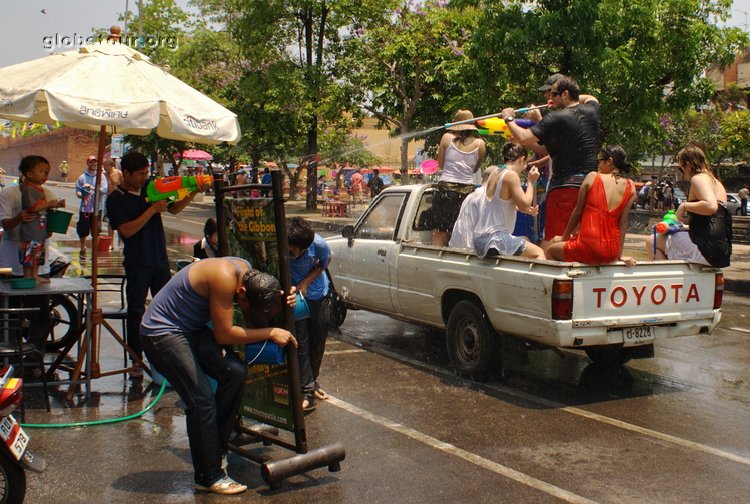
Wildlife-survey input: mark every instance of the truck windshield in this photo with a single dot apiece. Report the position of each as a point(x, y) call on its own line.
point(381, 220)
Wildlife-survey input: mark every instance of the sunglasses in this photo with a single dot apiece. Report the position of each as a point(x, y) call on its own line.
point(555, 93)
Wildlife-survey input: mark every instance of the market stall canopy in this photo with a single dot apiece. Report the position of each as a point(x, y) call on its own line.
point(108, 84)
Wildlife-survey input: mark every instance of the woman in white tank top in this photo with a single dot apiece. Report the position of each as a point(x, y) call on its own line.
point(460, 155)
point(497, 211)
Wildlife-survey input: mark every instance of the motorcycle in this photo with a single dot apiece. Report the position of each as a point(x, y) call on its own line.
point(15, 456)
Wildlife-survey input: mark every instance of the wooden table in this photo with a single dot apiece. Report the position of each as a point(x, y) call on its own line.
point(336, 209)
point(82, 289)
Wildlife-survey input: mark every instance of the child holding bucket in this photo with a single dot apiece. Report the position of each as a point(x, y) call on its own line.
point(34, 172)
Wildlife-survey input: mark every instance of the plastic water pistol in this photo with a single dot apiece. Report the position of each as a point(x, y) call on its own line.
point(496, 126)
point(669, 224)
point(174, 188)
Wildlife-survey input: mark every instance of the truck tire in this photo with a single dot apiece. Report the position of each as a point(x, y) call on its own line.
point(473, 345)
point(338, 311)
point(610, 355)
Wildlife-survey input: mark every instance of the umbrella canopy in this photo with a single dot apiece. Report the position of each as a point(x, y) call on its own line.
point(109, 84)
point(195, 155)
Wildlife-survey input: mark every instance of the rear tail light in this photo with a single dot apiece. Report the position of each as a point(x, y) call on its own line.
point(562, 299)
point(718, 291)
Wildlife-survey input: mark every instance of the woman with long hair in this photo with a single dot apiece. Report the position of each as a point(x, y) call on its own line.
point(602, 211)
point(708, 239)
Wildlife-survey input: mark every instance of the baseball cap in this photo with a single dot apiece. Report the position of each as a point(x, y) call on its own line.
point(550, 80)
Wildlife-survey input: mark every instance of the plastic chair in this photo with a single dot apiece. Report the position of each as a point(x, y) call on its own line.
point(14, 324)
point(114, 309)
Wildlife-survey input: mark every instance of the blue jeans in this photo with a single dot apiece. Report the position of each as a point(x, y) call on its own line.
point(185, 360)
point(140, 280)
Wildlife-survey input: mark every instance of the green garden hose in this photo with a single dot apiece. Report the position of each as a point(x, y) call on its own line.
point(103, 421)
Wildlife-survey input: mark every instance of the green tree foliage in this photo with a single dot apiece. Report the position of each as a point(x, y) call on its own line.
point(157, 31)
point(402, 65)
point(292, 84)
point(723, 135)
point(641, 58)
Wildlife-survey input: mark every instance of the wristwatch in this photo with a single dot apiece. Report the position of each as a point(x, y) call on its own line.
point(510, 119)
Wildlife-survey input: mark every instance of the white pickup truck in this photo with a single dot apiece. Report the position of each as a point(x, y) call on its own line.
point(385, 264)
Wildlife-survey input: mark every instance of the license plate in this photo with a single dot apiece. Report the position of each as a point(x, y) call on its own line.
point(14, 437)
point(634, 336)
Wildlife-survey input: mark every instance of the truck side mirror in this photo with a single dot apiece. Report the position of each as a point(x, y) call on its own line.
point(348, 231)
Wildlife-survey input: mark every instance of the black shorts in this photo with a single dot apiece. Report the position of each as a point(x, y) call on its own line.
point(446, 204)
point(85, 224)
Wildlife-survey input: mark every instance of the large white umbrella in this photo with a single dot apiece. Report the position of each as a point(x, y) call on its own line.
point(109, 87)
point(108, 84)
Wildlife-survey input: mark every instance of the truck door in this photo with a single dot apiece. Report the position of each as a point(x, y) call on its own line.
point(372, 253)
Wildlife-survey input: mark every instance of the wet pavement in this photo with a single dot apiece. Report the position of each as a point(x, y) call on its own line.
point(554, 429)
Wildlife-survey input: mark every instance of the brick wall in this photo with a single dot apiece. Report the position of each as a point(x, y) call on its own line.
point(68, 144)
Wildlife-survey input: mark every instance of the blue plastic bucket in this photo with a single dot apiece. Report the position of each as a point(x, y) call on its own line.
point(301, 310)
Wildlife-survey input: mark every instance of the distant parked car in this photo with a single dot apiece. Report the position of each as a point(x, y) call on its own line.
point(733, 204)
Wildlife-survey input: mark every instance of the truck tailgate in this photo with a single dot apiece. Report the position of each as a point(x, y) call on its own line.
point(652, 293)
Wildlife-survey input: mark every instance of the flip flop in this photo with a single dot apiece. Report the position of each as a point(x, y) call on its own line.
point(225, 486)
point(320, 394)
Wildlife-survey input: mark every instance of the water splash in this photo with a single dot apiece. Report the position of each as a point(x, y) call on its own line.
point(414, 134)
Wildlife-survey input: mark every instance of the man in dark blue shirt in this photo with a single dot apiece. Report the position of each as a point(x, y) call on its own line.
point(142, 232)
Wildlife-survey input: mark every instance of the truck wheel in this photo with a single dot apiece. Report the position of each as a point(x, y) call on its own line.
point(611, 355)
point(338, 311)
point(473, 345)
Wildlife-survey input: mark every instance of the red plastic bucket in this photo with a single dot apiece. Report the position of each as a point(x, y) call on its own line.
point(104, 243)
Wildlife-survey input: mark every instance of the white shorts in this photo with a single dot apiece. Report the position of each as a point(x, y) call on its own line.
point(680, 246)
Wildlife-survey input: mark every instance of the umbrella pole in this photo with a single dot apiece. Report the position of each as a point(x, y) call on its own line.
point(96, 312)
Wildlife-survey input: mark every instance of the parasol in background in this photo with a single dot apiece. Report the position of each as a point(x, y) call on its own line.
point(194, 155)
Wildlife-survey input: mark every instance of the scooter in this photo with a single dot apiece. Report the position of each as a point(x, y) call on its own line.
point(15, 456)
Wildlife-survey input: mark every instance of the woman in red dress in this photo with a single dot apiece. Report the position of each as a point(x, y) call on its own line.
point(602, 211)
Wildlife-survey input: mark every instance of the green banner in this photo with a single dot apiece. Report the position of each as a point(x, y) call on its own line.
point(252, 236)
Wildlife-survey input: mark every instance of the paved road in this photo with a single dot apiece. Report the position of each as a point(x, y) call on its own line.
point(668, 429)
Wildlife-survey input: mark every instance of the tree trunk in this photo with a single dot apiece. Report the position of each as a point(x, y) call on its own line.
point(404, 160)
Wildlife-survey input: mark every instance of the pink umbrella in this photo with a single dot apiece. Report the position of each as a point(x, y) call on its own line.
point(429, 166)
point(195, 154)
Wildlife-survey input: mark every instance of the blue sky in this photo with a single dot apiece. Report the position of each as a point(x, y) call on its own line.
point(26, 29)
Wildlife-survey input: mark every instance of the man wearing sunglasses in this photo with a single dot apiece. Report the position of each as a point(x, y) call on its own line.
point(570, 134)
